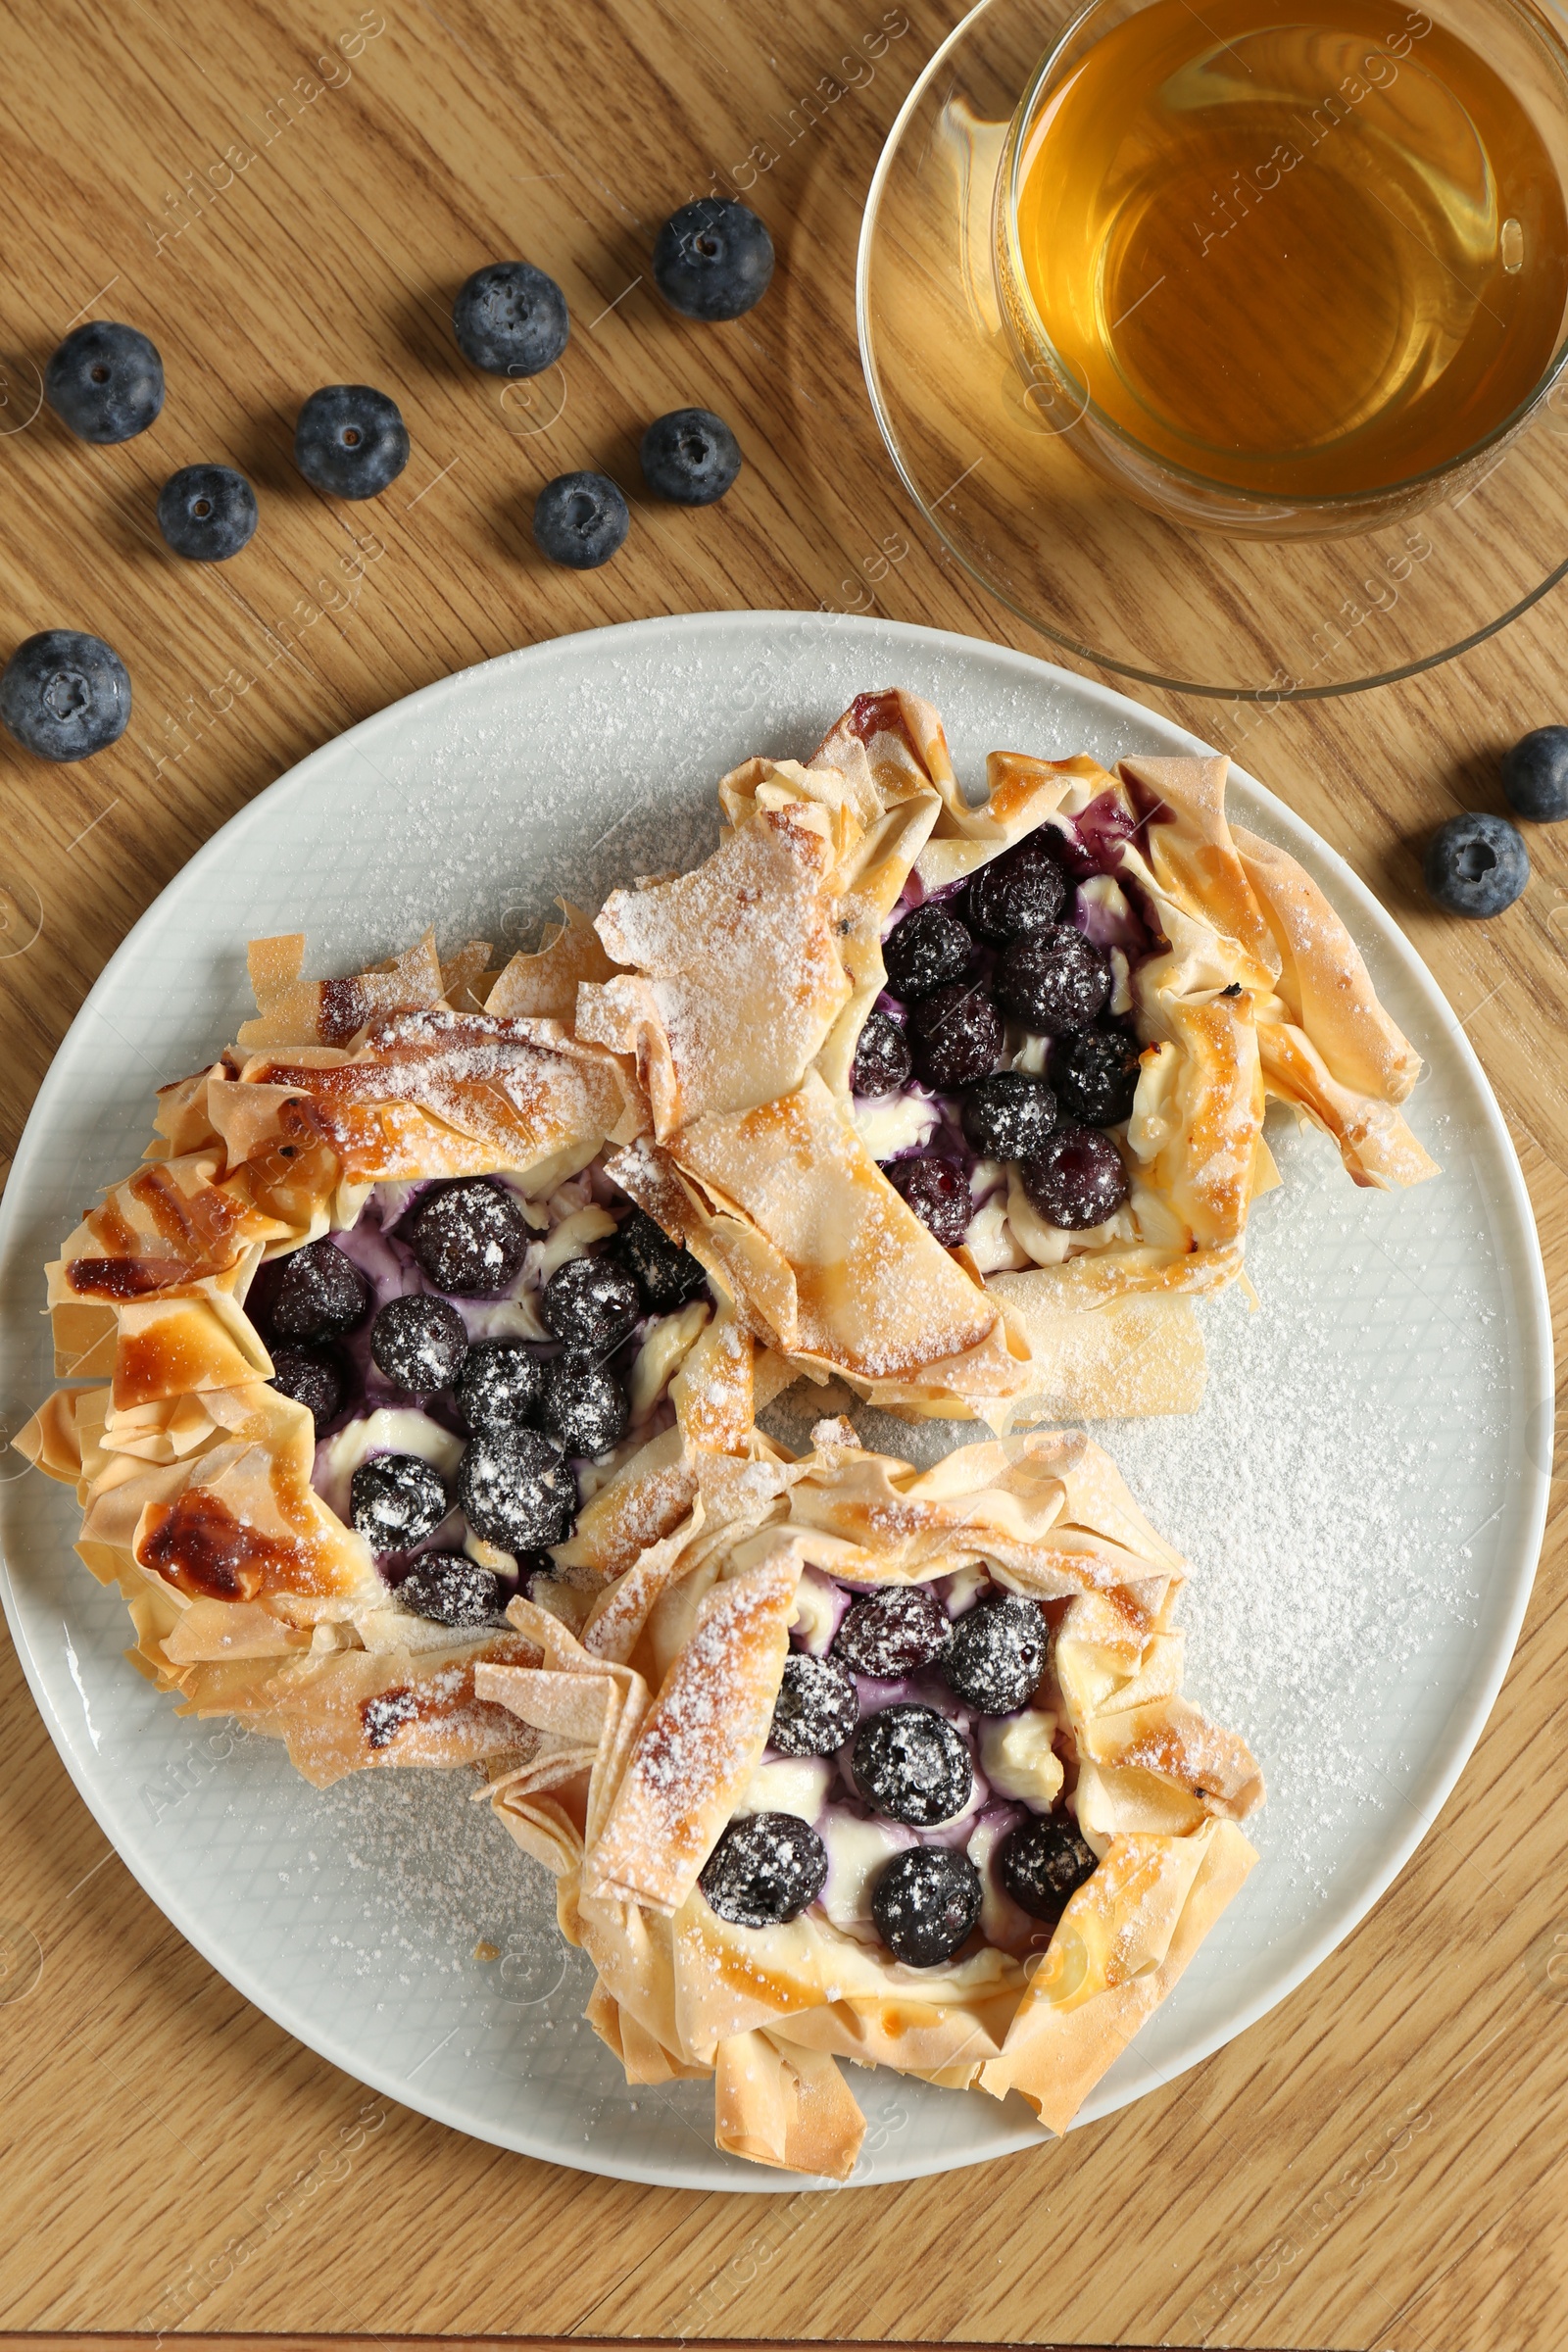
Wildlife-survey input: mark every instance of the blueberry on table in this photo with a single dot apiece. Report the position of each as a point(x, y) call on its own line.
point(591, 1302)
point(470, 1239)
point(997, 1654)
point(924, 950)
point(311, 1379)
point(1475, 864)
point(714, 258)
point(64, 695)
point(207, 513)
point(580, 519)
point(449, 1588)
point(1040, 1863)
point(882, 1063)
point(517, 1489)
point(1008, 1114)
point(585, 1408)
point(1535, 775)
point(510, 319)
point(936, 1191)
point(689, 457)
point(911, 1763)
point(1053, 980)
point(418, 1343)
point(351, 441)
point(663, 1270)
point(925, 1903)
point(765, 1870)
point(891, 1633)
point(1076, 1180)
point(956, 1035)
point(105, 381)
point(1096, 1075)
point(321, 1293)
point(397, 1500)
point(1020, 891)
point(499, 1386)
point(817, 1708)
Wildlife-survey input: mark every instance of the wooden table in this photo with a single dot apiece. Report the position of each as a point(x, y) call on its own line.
point(284, 195)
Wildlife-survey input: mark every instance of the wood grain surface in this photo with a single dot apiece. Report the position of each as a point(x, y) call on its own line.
point(284, 193)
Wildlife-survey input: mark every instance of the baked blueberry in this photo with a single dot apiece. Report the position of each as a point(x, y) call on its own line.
point(1020, 891)
point(207, 513)
point(1096, 1076)
point(1054, 981)
point(925, 1903)
point(321, 1293)
point(689, 457)
point(511, 319)
point(585, 1407)
point(664, 1272)
point(1040, 1863)
point(954, 1035)
point(64, 695)
point(591, 1302)
point(817, 1708)
point(1535, 775)
point(419, 1343)
point(938, 1194)
point(924, 950)
point(911, 1763)
point(351, 441)
point(997, 1654)
point(1008, 1114)
point(105, 381)
point(1475, 864)
point(881, 1064)
point(312, 1379)
point(1076, 1179)
point(713, 258)
point(470, 1237)
point(765, 1870)
point(517, 1489)
point(499, 1386)
point(396, 1500)
point(895, 1630)
point(453, 1590)
point(580, 519)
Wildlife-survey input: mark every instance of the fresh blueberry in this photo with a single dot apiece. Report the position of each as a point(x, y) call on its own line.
point(418, 1343)
point(663, 1270)
point(713, 258)
point(511, 319)
point(911, 1763)
point(765, 1870)
point(997, 1654)
point(105, 381)
point(585, 1408)
point(1475, 864)
point(1095, 1075)
point(395, 1500)
point(817, 1708)
point(1076, 1180)
point(469, 1237)
point(1020, 891)
point(893, 1632)
point(937, 1194)
point(207, 513)
point(499, 1386)
point(1053, 980)
point(311, 1379)
point(351, 441)
point(580, 519)
point(689, 457)
point(64, 695)
point(925, 1903)
point(882, 1062)
point(453, 1590)
point(516, 1489)
point(591, 1302)
point(1535, 775)
point(956, 1035)
point(925, 950)
point(1040, 1863)
point(321, 1295)
point(1008, 1114)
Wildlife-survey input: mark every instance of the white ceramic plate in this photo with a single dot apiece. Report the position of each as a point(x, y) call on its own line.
point(1361, 1497)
